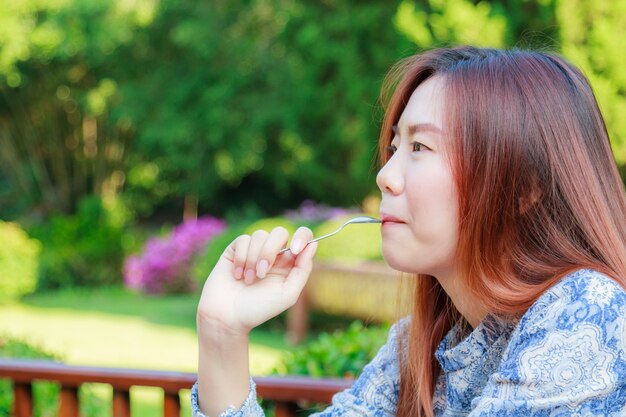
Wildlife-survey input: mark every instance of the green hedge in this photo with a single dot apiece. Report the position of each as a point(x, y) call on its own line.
point(81, 250)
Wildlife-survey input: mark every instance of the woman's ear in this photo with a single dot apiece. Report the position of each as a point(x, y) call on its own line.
point(530, 198)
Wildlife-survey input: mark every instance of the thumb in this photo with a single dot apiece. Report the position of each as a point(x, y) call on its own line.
point(301, 271)
point(224, 265)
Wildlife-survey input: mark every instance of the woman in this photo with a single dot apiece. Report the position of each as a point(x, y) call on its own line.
point(500, 193)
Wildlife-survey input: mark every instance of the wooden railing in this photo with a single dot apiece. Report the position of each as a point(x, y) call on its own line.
point(286, 392)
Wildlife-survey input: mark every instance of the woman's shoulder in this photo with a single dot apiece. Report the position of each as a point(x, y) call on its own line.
point(590, 285)
point(584, 309)
point(581, 296)
point(568, 351)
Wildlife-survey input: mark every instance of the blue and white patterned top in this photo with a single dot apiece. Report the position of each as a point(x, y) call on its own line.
point(565, 357)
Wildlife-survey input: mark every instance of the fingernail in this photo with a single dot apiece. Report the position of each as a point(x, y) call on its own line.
point(295, 246)
point(249, 274)
point(261, 268)
point(238, 272)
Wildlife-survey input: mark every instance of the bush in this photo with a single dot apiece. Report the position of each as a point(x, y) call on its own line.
point(356, 242)
point(19, 262)
point(166, 264)
point(342, 354)
point(81, 250)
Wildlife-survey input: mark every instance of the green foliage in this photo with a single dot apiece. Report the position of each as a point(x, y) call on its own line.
point(81, 250)
point(356, 242)
point(19, 262)
point(257, 96)
point(343, 353)
point(59, 82)
point(14, 348)
point(445, 22)
point(243, 103)
point(592, 35)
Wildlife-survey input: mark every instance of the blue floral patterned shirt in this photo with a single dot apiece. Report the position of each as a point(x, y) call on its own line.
point(565, 357)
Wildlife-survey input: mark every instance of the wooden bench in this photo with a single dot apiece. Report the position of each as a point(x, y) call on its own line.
point(285, 392)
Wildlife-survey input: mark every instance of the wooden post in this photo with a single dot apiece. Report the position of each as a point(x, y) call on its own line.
point(22, 399)
point(68, 406)
point(121, 403)
point(285, 409)
point(298, 320)
point(190, 207)
point(171, 404)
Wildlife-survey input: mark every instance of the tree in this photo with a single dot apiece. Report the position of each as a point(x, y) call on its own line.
point(58, 140)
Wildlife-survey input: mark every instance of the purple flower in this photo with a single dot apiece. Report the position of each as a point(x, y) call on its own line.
point(164, 265)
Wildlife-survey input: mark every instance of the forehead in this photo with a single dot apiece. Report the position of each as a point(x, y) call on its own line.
point(425, 105)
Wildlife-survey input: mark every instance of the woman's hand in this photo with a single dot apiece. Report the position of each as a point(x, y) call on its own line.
point(251, 283)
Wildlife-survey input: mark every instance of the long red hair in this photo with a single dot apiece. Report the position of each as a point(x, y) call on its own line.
point(539, 192)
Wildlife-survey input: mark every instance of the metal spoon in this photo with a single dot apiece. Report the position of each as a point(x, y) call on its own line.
point(360, 219)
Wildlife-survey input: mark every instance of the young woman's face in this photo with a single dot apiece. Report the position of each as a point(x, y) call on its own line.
point(419, 206)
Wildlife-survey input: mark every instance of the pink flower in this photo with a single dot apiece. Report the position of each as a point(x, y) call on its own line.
point(164, 265)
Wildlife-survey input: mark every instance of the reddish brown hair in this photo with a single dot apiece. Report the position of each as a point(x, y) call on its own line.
point(539, 191)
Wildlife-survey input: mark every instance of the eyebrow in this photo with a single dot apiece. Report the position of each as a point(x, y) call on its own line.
point(419, 127)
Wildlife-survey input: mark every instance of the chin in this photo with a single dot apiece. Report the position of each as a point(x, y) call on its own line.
point(407, 261)
point(395, 262)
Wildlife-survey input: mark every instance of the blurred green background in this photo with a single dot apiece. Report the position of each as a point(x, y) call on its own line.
point(123, 121)
point(241, 105)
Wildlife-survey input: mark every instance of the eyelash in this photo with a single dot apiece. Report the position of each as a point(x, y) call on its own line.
point(391, 149)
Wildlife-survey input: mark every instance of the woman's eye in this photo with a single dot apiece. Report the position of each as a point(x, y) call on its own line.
point(391, 149)
point(417, 147)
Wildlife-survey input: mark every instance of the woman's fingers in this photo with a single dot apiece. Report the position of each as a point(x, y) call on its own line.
point(257, 241)
point(300, 239)
point(274, 242)
point(239, 255)
point(254, 256)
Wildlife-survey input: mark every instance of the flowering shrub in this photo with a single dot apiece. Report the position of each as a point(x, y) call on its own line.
point(166, 263)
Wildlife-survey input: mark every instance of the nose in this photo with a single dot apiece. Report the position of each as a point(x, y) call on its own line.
point(390, 178)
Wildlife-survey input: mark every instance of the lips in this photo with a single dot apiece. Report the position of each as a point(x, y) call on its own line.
point(389, 219)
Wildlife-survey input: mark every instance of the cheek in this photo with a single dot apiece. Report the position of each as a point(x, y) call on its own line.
point(428, 243)
point(431, 194)
point(434, 206)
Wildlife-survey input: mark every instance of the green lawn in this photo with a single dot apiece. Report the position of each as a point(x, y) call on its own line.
point(117, 328)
